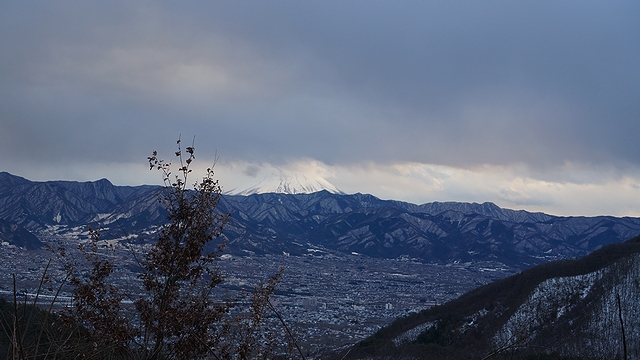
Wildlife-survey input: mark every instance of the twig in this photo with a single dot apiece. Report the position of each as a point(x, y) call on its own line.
point(209, 349)
point(287, 329)
point(509, 344)
point(624, 337)
point(345, 355)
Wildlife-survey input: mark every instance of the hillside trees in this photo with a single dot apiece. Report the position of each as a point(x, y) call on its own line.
point(582, 308)
point(174, 313)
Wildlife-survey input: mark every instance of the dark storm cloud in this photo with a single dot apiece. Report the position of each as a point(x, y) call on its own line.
point(530, 82)
point(453, 83)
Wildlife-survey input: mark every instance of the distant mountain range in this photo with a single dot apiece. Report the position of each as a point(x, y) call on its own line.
point(440, 232)
point(571, 309)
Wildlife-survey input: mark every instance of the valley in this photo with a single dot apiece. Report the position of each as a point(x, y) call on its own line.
point(353, 264)
point(330, 300)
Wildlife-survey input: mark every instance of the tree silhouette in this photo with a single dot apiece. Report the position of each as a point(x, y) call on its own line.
point(175, 314)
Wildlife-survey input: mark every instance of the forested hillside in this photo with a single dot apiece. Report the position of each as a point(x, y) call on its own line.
point(579, 308)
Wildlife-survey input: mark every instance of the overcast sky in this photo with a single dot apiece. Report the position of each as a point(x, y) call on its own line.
point(528, 104)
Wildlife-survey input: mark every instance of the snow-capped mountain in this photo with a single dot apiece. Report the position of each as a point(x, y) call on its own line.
point(289, 184)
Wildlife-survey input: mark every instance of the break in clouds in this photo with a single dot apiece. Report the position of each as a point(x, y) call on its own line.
point(527, 104)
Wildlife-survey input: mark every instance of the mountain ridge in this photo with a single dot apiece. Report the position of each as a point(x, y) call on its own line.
point(440, 232)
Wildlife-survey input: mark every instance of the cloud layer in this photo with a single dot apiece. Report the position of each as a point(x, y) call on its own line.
point(535, 99)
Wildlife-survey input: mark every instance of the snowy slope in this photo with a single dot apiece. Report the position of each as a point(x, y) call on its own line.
point(581, 313)
point(289, 184)
point(585, 308)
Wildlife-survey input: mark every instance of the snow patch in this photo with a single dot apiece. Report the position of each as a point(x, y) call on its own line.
point(412, 335)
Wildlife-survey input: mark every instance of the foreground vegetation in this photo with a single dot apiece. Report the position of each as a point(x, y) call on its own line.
point(174, 313)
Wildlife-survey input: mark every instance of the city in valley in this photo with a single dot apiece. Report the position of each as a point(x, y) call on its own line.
point(329, 300)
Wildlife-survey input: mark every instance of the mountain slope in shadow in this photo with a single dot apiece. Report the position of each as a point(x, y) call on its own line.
point(562, 309)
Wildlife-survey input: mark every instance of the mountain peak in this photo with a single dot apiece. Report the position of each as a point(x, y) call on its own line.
point(289, 184)
point(10, 179)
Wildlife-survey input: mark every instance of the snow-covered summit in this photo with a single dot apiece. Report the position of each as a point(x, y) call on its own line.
point(289, 184)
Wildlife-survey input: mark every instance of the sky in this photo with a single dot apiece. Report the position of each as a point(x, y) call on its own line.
point(531, 105)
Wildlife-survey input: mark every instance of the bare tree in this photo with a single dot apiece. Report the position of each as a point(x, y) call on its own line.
point(175, 315)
